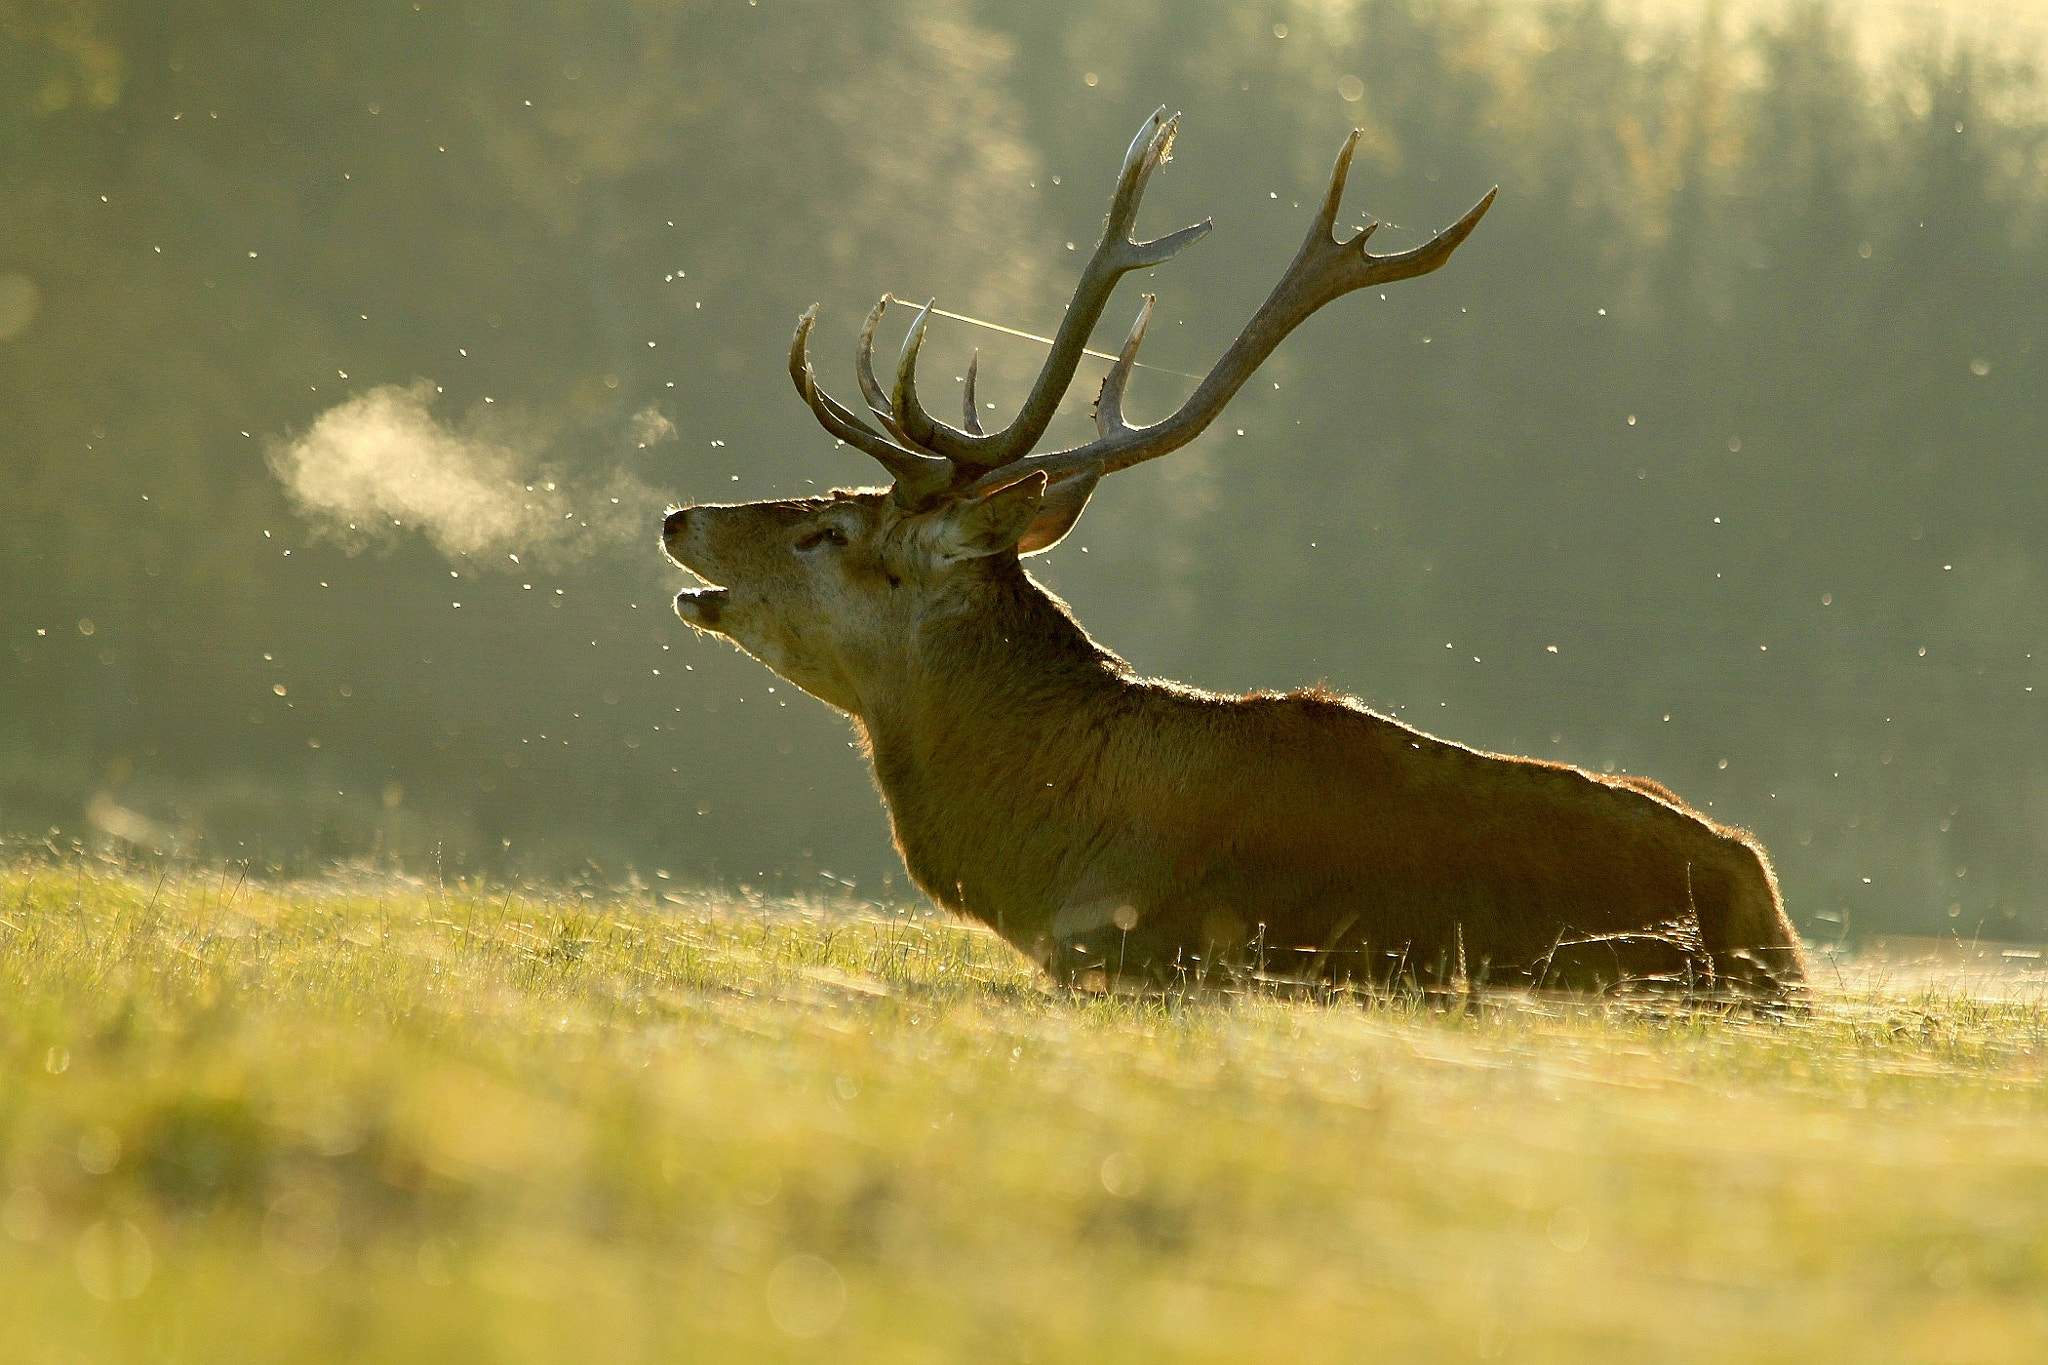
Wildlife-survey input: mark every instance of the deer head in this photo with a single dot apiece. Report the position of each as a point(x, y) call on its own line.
point(826, 591)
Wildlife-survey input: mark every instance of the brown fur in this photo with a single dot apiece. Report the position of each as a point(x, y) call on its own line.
point(1099, 820)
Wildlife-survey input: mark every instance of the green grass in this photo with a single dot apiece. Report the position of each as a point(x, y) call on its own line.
point(383, 1122)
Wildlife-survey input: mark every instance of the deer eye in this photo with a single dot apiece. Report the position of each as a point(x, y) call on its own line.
point(823, 535)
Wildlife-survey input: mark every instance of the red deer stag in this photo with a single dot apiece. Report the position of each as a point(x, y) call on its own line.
point(1107, 824)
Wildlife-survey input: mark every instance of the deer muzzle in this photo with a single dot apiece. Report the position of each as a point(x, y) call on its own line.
point(699, 606)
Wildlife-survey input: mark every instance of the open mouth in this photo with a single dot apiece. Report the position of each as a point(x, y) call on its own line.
point(701, 606)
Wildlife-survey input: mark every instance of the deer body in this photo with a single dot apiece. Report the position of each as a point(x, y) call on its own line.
point(1122, 823)
point(1102, 822)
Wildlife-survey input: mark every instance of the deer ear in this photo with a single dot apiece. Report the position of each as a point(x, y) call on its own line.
point(1058, 512)
point(993, 523)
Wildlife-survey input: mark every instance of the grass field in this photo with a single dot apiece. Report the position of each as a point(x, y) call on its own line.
point(380, 1121)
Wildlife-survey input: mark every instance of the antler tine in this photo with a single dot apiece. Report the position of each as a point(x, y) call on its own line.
point(806, 380)
point(1322, 270)
point(1115, 255)
point(1324, 224)
point(919, 477)
point(864, 371)
point(1146, 155)
point(1109, 400)
point(1366, 268)
point(911, 419)
point(970, 419)
point(1067, 495)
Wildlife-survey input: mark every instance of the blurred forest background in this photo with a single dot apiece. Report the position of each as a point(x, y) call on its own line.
point(1715, 455)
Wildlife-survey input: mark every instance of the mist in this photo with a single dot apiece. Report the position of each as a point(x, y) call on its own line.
point(382, 463)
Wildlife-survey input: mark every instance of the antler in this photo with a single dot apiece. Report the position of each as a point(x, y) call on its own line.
point(918, 442)
point(929, 458)
point(1115, 255)
point(1324, 269)
point(919, 477)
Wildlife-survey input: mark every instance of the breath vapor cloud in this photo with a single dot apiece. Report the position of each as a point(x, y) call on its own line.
point(382, 463)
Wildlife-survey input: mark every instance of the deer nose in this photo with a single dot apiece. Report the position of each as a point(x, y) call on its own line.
point(672, 525)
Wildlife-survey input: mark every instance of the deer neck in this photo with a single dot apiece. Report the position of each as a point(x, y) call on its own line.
point(980, 743)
